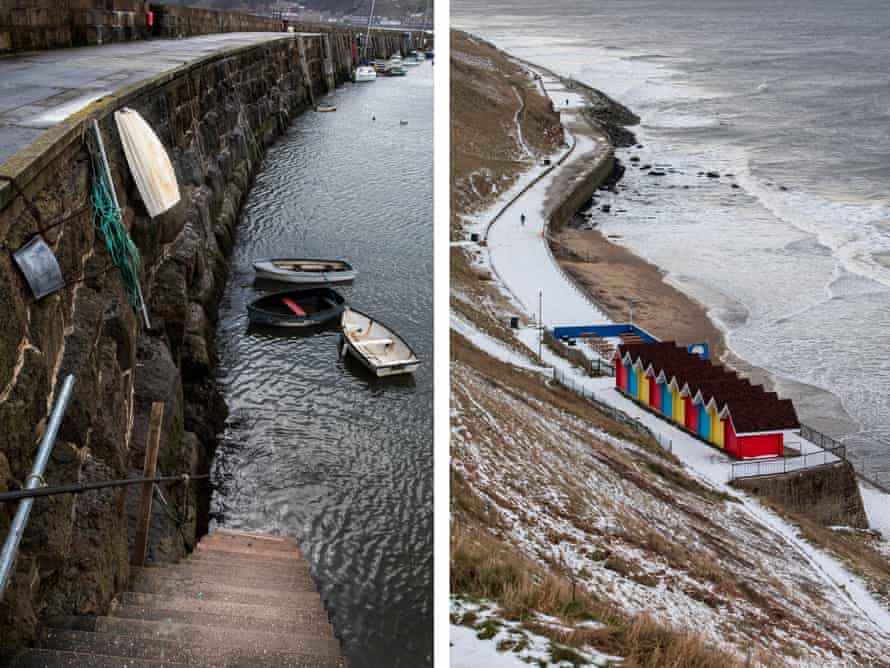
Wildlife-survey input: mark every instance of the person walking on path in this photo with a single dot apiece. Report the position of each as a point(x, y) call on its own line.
point(522, 219)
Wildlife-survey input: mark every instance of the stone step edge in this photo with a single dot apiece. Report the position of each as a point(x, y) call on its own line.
point(295, 569)
point(247, 550)
point(187, 602)
point(163, 644)
point(219, 590)
point(250, 534)
point(239, 559)
point(207, 575)
point(284, 546)
point(84, 656)
point(317, 625)
point(332, 642)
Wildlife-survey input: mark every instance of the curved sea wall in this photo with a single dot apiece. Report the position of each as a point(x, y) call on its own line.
point(30, 25)
point(215, 116)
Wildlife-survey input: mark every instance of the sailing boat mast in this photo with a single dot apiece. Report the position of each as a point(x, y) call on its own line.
point(368, 34)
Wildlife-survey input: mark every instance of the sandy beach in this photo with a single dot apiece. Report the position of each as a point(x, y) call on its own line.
point(628, 287)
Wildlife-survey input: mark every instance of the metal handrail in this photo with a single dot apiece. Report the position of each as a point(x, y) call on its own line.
point(34, 480)
point(785, 465)
point(89, 486)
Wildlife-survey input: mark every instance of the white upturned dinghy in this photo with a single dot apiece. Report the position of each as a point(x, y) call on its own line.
point(304, 271)
point(376, 346)
point(148, 161)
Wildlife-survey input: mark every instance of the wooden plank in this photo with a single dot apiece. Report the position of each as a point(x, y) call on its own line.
point(149, 469)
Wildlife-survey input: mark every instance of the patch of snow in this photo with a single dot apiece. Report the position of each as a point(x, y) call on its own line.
point(520, 647)
point(877, 508)
point(492, 346)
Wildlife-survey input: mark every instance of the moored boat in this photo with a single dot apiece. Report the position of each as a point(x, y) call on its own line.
point(325, 107)
point(304, 271)
point(303, 307)
point(375, 345)
point(395, 67)
point(365, 73)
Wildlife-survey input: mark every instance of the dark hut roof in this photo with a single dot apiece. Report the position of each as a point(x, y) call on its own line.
point(755, 415)
point(750, 407)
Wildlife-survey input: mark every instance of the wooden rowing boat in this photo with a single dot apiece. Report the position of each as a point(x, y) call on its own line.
point(375, 345)
point(304, 307)
point(304, 271)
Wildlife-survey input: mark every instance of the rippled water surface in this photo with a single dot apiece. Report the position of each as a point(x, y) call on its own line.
point(315, 447)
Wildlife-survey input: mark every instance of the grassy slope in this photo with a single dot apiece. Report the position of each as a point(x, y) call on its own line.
point(550, 496)
point(486, 159)
point(546, 489)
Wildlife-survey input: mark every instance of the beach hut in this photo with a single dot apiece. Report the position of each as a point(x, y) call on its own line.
point(620, 374)
point(754, 428)
point(703, 420)
point(665, 400)
point(707, 400)
point(691, 412)
point(717, 425)
point(642, 385)
point(678, 410)
point(631, 380)
point(654, 393)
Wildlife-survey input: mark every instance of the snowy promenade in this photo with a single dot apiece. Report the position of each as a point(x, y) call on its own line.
point(518, 252)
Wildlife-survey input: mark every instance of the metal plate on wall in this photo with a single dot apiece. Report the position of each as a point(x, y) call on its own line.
point(40, 267)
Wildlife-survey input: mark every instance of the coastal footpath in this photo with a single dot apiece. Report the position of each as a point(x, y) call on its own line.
point(584, 528)
point(215, 114)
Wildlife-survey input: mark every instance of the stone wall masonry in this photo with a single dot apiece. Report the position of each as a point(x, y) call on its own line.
point(578, 186)
point(215, 116)
point(30, 25)
point(826, 494)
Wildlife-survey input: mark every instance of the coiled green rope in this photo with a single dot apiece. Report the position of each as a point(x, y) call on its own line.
point(107, 219)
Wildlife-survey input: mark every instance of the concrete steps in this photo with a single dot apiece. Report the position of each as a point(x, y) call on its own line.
point(220, 592)
point(241, 600)
point(232, 606)
point(177, 653)
point(222, 573)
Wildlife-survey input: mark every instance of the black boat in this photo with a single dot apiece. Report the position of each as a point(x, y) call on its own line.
point(305, 307)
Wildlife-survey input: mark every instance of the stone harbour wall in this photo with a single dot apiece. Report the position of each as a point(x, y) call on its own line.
point(826, 494)
point(215, 116)
point(30, 25)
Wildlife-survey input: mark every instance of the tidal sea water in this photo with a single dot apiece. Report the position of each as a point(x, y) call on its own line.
point(789, 102)
point(315, 447)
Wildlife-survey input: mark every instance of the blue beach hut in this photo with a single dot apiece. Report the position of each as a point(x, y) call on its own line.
point(704, 421)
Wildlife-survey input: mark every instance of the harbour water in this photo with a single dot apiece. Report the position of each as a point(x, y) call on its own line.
point(790, 247)
point(315, 447)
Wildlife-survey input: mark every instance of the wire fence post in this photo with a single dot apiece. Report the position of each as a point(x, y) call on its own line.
point(149, 469)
